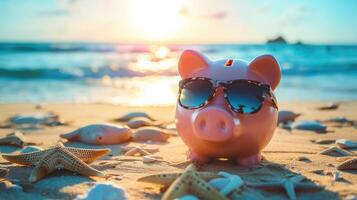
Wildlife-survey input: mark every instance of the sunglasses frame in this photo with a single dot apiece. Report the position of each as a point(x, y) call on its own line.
point(267, 92)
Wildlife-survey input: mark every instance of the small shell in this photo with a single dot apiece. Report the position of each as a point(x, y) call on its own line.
point(346, 144)
point(350, 164)
point(286, 116)
point(132, 115)
point(29, 149)
point(150, 133)
point(341, 120)
point(106, 190)
point(310, 126)
point(335, 151)
point(303, 158)
point(337, 175)
point(330, 106)
point(323, 141)
point(141, 122)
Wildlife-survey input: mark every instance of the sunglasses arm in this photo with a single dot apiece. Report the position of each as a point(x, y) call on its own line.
point(273, 98)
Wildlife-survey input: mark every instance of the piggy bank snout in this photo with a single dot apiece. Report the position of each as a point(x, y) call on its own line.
point(213, 124)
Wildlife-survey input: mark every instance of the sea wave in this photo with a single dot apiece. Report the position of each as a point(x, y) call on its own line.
point(107, 71)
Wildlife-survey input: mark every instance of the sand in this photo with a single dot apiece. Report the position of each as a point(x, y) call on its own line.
point(281, 155)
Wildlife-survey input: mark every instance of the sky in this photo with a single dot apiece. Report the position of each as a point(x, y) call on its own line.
point(179, 21)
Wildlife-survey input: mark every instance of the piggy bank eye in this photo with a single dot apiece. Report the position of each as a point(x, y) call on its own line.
point(100, 138)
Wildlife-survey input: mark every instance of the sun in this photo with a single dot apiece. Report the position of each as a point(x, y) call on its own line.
point(156, 19)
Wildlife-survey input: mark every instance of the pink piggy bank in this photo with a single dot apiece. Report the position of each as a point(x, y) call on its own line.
point(226, 108)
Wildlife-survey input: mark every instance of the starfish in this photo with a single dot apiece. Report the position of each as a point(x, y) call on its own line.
point(58, 157)
point(86, 155)
point(289, 185)
point(190, 181)
point(137, 151)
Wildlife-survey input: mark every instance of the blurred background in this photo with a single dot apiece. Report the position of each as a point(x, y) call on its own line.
point(125, 52)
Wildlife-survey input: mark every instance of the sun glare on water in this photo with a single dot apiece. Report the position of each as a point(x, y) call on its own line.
point(156, 19)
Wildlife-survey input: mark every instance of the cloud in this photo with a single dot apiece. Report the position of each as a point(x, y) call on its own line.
point(184, 11)
point(295, 15)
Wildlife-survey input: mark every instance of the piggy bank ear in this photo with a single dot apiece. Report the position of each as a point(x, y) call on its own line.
point(191, 62)
point(268, 68)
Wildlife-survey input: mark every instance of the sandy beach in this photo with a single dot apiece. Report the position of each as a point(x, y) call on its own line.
point(283, 155)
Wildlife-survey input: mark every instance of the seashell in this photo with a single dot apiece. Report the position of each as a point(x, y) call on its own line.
point(16, 138)
point(151, 159)
point(132, 115)
point(286, 116)
point(227, 184)
point(323, 141)
point(337, 175)
point(140, 122)
point(187, 197)
point(351, 197)
point(310, 126)
point(335, 151)
point(303, 158)
point(100, 134)
point(318, 171)
point(341, 120)
point(346, 144)
point(29, 149)
point(105, 191)
point(350, 164)
point(150, 133)
point(34, 119)
point(330, 106)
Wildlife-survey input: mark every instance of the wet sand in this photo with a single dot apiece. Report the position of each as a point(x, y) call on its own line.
point(281, 155)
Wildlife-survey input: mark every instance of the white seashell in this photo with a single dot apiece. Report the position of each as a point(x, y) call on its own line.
point(104, 191)
point(309, 125)
point(141, 122)
point(227, 184)
point(187, 197)
point(338, 120)
point(346, 144)
point(29, 149)
point(286, 116)
point(335, 150)
point(34, 119)
point(100, 134)
point(132, 115)
point(337, 175)
point(351, 197)
point(150, 133)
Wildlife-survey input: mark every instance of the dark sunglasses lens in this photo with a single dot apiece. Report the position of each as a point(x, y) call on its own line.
point(245, 97)
point(195, 93)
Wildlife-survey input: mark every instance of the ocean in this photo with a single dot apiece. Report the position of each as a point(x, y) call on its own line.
point(141, 75)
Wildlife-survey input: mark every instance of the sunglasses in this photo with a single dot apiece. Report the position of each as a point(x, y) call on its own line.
point(243, 96)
